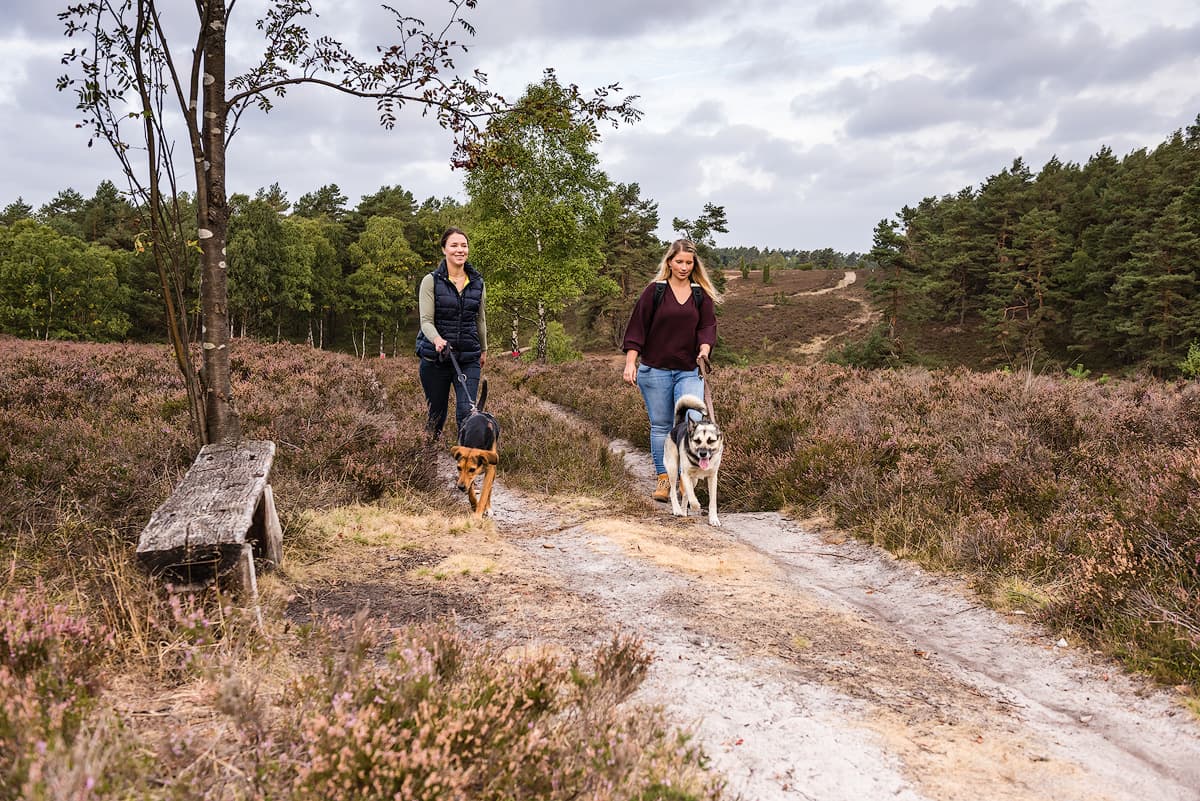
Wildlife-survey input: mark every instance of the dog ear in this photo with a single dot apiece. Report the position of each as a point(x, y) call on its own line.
point(456, 452)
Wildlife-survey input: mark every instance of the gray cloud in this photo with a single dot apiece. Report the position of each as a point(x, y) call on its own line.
point(847, 13)
point(766, 53)
point(1009, 50)
point(1095, 120)
point(34, 20)
point(705, 113)
point(1149, 52)
point(512, 20)
point(816, 194)
point(905, 105)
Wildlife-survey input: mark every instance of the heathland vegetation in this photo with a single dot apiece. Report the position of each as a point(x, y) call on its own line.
point(1076, 500)
point(1071, 500)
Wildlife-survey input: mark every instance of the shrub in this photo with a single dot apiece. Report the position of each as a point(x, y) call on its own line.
point(873, 351)
point(559, 346)
point(441, 717)
point(1190, 366)
point(49, 663)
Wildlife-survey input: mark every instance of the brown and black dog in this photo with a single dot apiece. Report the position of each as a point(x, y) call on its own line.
point(478, 452)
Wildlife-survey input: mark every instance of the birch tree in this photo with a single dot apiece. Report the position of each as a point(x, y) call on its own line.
point(540, 195)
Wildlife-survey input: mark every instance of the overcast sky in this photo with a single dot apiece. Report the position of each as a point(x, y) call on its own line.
point(809, 122)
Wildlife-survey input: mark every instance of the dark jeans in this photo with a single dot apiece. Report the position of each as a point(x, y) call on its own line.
point(436, 380)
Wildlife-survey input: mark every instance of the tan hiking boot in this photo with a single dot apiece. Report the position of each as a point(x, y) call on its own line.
point(662, 492)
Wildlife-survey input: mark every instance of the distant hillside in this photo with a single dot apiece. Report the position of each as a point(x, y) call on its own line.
point(797, 316)
point(806, 316)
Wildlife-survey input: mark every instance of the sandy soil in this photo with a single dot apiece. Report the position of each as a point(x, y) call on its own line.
point(809, 666)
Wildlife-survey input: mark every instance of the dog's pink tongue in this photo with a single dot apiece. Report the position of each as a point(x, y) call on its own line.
point(704, 464)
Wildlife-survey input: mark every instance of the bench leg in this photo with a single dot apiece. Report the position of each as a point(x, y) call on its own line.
point(246, 582)
point(272, 534)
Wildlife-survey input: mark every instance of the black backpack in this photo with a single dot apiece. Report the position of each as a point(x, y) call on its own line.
point(660, 289)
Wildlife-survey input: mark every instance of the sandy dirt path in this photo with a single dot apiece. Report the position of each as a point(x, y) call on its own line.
point(809, 666)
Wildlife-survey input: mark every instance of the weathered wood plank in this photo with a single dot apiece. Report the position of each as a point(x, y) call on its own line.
point(199, 530)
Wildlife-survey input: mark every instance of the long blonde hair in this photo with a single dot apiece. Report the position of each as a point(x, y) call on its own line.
point(699, 274)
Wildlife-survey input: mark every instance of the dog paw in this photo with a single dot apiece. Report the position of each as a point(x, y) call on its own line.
point(713, 520)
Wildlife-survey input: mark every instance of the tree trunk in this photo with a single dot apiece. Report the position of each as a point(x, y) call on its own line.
point(178, 329)
point(513, 339)
point(212, 218)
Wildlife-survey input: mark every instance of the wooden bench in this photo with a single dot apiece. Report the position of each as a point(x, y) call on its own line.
point(219, 520)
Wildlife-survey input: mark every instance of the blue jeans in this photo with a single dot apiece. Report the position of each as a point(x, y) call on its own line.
point(660, 390)
point(436, 380)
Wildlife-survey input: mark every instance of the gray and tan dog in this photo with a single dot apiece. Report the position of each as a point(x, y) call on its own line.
point(692, 452)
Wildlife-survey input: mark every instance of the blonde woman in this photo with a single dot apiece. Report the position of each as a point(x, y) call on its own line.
point(673, 327)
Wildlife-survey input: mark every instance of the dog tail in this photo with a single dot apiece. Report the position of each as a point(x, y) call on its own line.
point(482, 394)
point(688, 402)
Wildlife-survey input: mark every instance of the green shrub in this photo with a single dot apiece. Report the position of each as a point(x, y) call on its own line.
point(559, 346)
point(876, 350)
point(1190, 366)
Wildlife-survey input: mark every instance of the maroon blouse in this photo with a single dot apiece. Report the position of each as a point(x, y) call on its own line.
point(672, 340)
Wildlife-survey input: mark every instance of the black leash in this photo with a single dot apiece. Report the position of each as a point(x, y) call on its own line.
point(462, 377)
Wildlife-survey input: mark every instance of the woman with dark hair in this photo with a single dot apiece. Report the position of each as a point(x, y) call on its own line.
point(452, 301)
point(672, 328)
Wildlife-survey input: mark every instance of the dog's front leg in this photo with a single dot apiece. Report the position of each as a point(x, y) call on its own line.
point(713, 520)
point(671, 462)
point(485, 492)
point(471, 493)
point(689, 487)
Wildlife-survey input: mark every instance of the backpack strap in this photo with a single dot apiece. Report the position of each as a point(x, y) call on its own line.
point(660, 289)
